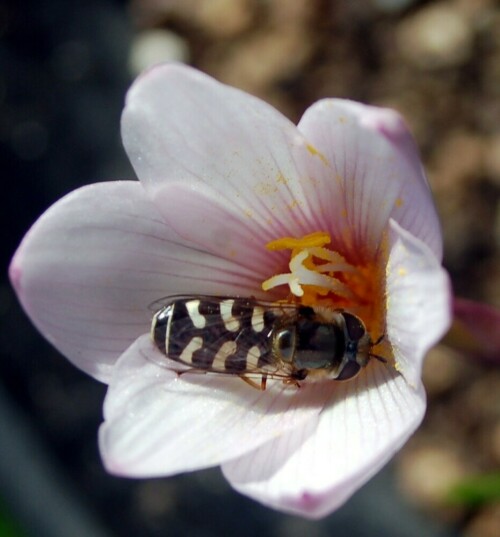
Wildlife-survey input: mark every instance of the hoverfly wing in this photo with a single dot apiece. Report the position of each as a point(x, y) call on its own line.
point(164, 301)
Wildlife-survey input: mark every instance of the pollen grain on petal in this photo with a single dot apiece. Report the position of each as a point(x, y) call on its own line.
point(280, 178)
point(265, 189)
point(294, 204)
point(316, 153)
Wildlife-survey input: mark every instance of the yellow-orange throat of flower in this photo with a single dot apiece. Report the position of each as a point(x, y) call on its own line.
point(320, 276)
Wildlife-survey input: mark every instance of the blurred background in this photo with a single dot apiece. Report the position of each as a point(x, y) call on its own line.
point(64, 69)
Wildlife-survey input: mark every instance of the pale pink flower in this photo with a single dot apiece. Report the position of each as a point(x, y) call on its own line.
point(221, 175)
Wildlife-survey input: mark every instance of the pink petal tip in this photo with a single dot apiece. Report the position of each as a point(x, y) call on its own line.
point(15, 273)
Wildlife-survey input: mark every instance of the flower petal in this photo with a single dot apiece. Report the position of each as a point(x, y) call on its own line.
point(159, 423)
point(181, 125)
point(369, 171)
point(418, 301)
point(366, 421)
point(92, 264)
point(201, 219)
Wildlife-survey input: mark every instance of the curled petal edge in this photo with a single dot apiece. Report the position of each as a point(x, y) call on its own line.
point(418, 301)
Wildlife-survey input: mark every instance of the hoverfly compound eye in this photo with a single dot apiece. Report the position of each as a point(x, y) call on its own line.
point(354, 326)
point(286, 344)
point(349, 371)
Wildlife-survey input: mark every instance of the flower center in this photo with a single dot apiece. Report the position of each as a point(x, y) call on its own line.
point(320, 276)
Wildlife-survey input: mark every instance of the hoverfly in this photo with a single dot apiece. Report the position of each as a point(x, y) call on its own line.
point(250, 338)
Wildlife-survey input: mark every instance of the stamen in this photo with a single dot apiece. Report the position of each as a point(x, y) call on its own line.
point(295, 287)
point(304, 271)
point(327, 255)
point(316, 239)
point(312, 277)
point(278, 279)
point(331, 267)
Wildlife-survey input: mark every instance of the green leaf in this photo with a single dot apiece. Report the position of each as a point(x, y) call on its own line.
point(8, 526)
point(476, 491)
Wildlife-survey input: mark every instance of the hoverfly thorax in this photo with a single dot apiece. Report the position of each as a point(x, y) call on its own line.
point(335, 348)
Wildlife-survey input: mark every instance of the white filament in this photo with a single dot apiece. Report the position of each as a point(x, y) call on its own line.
point(300, 275)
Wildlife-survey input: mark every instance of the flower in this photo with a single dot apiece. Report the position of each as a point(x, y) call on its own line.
point(235, 200)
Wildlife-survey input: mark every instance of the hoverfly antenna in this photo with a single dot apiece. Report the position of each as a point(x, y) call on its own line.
point(378, 341)
point(377, 356)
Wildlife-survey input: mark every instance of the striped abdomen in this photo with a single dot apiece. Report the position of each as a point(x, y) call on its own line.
point(224, 335)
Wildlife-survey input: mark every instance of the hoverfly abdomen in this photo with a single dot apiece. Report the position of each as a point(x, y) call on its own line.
point(223, 335)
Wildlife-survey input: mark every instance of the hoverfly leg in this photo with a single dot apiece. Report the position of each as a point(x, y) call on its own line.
point(291, 382)
point(263, 381)
point(295, 377)
point(253, 384)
